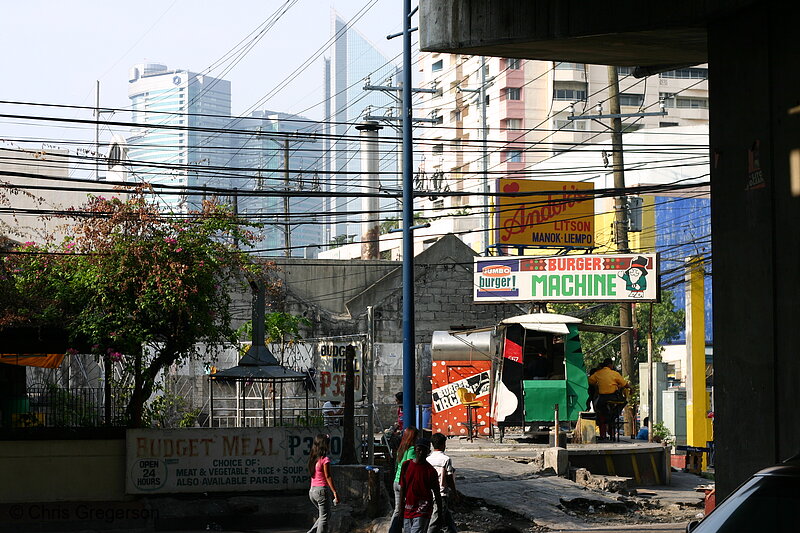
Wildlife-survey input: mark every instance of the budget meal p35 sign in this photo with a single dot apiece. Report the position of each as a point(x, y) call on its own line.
point(567, 278)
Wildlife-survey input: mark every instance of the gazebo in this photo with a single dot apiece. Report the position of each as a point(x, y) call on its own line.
point(258, 365)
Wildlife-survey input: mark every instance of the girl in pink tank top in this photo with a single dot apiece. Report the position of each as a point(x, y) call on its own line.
point(322, 488)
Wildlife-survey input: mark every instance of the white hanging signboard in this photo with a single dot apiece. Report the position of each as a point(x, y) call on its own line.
point(567, 278)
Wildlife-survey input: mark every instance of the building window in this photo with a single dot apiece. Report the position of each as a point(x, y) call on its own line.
point(562, 123)
point(693, 73)
point(631, 99)
point(513, 156)
point(691, 103)
point(513, 123)
point(455, 116)
point(569, 90)
point(562, 65)
point(667, 124)
point(513, 93)
point(437, 66)
point(437, 148)
point(625, 71)
point(513, 64)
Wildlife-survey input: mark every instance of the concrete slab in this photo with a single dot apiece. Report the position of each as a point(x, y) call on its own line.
point(514, 486)
point(679, 492)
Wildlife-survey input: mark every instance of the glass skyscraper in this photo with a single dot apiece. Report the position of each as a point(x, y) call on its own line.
point(186, 138)
point(353, 60)
point(264, 143)
point(172, 108)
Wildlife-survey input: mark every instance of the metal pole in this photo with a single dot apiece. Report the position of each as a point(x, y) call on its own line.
point(370, 375)
point(409, 367)
point(109, 372)
point(487, 237)
point(287, 237)
point(210, 401)
point(370, 205)
point(650, 390)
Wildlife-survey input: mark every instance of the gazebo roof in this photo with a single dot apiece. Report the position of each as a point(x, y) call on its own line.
point(258, 364)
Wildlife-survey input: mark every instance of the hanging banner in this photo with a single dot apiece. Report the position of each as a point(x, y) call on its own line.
point(331, 359)
point(556, 214)
point(48, 360)
point(220, 459)
point(568, 278)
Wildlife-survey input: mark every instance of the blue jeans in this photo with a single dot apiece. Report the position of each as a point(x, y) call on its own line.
point(418, 524)
point(321, 497)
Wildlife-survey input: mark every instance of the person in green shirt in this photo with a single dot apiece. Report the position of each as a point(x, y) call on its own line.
point(405, 452)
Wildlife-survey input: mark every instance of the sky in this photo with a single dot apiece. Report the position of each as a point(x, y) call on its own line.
point(53, 51)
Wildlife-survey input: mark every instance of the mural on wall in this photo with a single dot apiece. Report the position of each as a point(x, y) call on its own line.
point(447, 412)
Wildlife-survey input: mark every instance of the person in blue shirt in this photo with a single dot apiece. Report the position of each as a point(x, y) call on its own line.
point(643, 431)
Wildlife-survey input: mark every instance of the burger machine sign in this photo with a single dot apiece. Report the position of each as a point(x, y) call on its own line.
point(570, 278)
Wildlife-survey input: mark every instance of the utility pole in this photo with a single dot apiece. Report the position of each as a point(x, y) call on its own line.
point(487, 237)
point(370, 377)
point(620, 225)
point(370, 205)
point(409, 363)
point(487, 232)
point(97, 134)
point(620, 228)
point(287, 231)
point(235, 213)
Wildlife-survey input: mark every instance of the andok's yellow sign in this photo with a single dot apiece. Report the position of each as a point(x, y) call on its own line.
point(554, 213)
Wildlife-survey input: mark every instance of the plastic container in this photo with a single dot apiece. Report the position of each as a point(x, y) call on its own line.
point(423, 417)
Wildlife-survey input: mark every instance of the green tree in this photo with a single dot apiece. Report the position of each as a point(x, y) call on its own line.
point(133, 284)
point(340, 240)
point(668, 323)
point(280, 328)
point(389, 224)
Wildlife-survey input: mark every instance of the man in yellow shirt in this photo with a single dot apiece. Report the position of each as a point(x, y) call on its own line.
point(608, 382)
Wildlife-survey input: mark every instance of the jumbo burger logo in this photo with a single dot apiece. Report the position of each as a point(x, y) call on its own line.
point(496, 271)
point(497, 280)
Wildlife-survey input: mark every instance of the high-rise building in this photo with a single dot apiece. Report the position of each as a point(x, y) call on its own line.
point(265, 142)
point(527, 106)
point(177, 141)
point(354, 61)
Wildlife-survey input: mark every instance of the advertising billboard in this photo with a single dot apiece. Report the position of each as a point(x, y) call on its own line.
point(567, 278)
point(331, 357)
point(545, 213)
point(221, 459)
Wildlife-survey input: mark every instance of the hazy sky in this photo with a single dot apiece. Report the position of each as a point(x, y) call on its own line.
point(53, 51)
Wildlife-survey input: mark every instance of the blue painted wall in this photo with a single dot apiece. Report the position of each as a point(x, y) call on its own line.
point(683, 229)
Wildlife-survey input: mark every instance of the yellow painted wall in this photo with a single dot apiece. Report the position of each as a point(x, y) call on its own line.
point(62, 470)
point(640, 241)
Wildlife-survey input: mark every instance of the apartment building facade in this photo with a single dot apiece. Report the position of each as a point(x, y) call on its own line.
point(528, 105)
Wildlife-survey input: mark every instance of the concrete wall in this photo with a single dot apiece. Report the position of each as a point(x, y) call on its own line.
point(756, 239)
point(62, 470)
